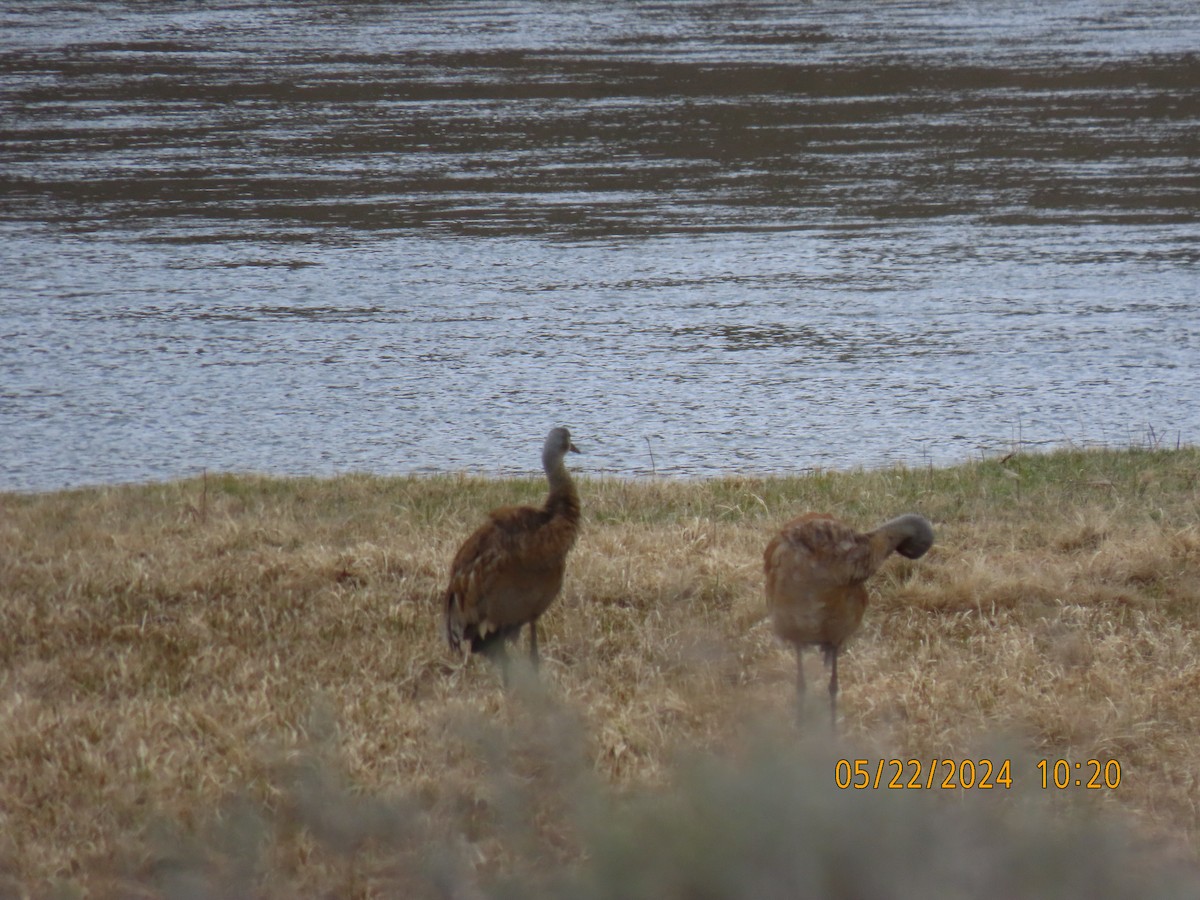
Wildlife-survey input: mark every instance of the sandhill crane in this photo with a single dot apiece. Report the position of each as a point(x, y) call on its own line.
point(816, 568)
point(509, 571)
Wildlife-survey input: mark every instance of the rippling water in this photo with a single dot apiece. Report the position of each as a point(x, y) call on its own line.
point(313, 237)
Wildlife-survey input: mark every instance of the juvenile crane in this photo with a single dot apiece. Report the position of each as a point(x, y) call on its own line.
point(509, 571)
point(816, 570)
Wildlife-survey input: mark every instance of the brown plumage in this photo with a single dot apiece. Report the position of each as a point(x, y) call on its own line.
point(509, 571)
point(816, 568)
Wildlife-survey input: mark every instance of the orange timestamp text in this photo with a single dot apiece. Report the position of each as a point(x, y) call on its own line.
point(968, 774)
point(1062, 774)
point(928, 774)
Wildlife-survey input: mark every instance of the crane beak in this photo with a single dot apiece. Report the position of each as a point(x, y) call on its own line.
point(571, 446)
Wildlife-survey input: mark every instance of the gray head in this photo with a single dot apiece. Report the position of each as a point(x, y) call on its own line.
point(917, 535)
point(558, 444)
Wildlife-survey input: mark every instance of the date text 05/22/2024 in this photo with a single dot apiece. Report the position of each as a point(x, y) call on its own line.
point(968, 774)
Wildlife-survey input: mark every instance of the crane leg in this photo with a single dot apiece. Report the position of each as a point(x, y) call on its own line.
point(831, 655)
point(501, 658)
point(800, 685)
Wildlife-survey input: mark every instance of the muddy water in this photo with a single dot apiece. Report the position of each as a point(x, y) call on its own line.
point(315, 237)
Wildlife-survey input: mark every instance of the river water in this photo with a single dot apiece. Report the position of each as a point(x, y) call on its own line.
point(710, 237)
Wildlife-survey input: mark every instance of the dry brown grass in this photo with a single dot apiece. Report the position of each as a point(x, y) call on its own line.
point(239, 685)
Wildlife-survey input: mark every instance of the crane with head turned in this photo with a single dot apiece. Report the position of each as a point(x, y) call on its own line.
point(509, 571)
point(816, 569)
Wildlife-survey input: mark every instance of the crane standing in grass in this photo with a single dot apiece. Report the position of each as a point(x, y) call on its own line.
point(816, 570)
point(509, 571)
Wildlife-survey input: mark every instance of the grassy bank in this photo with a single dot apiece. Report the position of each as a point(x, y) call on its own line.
point(238, 685)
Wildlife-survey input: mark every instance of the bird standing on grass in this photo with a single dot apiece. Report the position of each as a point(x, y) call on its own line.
point(816, 568)
point(509, 571)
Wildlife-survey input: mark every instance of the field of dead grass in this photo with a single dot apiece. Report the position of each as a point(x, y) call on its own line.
point(238, 686)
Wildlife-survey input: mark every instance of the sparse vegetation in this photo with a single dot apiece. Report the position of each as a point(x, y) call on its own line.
point(237, 686)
